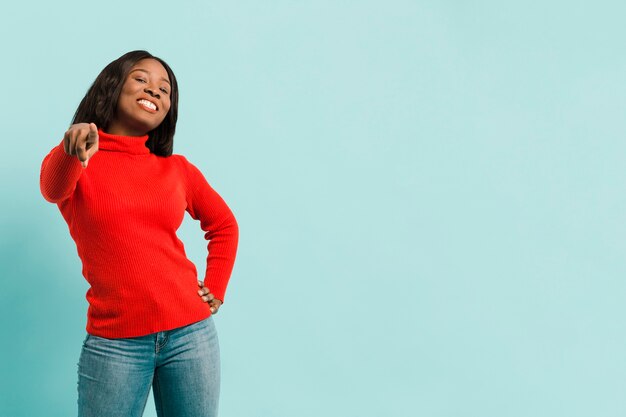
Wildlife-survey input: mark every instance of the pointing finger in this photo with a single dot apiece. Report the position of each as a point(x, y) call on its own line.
point(81, 152)
point(75, 140)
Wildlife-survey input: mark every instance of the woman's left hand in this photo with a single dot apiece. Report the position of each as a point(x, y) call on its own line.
point(208, 298)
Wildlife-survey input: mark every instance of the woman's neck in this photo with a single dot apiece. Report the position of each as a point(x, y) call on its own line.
point(119, 129)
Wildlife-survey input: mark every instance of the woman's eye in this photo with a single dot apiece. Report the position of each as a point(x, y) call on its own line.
point(141, 80)
point(164, 90)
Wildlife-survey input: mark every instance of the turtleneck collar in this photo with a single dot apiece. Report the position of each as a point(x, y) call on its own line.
point(135, 145)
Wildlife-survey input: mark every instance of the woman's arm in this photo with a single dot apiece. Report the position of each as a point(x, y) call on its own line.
point(222, 231)
point(63, 166)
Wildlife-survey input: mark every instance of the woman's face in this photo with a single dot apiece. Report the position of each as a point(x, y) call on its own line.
point(144, 100)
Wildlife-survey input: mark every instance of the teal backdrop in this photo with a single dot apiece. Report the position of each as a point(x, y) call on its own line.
point(430, 197)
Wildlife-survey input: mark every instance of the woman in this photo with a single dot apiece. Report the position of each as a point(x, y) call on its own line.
point(123, 195)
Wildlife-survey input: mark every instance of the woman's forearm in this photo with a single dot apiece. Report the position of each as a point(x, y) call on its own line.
point(59, 174)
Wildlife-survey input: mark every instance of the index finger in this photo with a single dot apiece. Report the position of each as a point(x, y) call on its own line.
point(81, 151)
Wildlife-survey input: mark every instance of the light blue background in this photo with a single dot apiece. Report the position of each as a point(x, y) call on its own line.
point(430, 196)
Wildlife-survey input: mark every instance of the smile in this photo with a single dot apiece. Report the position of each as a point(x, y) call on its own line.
point(148, 105)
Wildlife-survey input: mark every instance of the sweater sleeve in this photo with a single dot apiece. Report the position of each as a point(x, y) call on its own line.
point(59, 174)
point(222, 231)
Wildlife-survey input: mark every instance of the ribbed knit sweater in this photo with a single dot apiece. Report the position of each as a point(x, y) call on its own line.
point(123, 211)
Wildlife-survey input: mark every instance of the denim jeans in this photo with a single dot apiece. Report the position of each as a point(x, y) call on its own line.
point(181, 365)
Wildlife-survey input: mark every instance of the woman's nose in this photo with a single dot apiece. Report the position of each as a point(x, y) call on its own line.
point(152, 92)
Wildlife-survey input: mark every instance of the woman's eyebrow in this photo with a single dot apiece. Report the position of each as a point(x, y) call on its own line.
point(147, 72)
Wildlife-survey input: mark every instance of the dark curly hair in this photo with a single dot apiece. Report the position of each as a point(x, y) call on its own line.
point(100, 103)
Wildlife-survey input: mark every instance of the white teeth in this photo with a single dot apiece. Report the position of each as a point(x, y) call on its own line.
point(148, 104)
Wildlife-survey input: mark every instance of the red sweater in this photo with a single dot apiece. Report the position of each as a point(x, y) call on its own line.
point(123, 211)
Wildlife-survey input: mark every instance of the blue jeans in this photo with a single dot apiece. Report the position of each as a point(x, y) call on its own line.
point(181, 365)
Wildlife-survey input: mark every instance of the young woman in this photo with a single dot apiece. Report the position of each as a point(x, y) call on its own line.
point(123, 195)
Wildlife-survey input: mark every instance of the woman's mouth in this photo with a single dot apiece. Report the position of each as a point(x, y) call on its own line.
point(148, 105)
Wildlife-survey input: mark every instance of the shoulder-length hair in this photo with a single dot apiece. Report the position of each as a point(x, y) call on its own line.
point(99, 105)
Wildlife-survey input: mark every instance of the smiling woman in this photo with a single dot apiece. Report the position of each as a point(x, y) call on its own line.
point(107, 98)
point(124, 194)
point(144, 100)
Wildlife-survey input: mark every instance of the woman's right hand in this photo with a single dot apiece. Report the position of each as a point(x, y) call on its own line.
point(81, 140)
